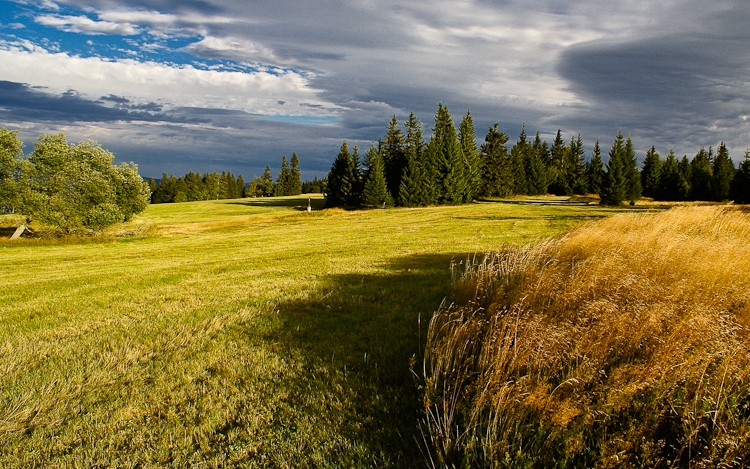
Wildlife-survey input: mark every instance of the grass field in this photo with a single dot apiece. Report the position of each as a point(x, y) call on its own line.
point(244, 333)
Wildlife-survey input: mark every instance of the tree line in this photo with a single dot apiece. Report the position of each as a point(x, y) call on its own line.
point(213, 186)
point(405, 170)
point(70, 187)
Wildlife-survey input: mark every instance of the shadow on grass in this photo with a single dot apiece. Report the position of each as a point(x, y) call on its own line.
point(365, 330)
point(298, 202)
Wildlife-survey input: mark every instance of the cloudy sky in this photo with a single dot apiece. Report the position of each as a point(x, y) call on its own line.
point(212, 85)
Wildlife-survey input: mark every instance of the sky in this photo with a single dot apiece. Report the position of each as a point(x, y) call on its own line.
point(226, 85)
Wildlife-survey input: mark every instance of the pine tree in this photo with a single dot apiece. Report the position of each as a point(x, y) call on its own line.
point(595, 171)
point(650, 173)
point(339, 190)
point(615, 187)
point(375, 193)
point(700, 176)
point(632, 175)
point(740, 190)
point(392, 152)
point(497, 167)
point(471, 159)
point(672, 185)
point(723, 173)
point(294, 184)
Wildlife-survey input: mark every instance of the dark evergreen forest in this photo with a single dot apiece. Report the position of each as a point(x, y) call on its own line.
point(405, 170)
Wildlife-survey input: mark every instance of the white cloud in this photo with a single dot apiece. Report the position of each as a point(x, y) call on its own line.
point(85, 25)
point(171, 86)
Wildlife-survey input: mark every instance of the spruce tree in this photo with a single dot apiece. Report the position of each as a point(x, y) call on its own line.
point(700, 176)
point(672, 185)
point(266, 183)
point(615, 187)
point(537, 171)
point(740, 190)
point(686, 172)
point(339, 190)
point(240, 187)
point(723, 173)
point(295, 177)
point(392, 152)
point(355, 168)
point(497, 167)
point(375, 193)
point(471, 159)
point(557, 168)
point(451, 180)
point(595, 171)
point(650, 173)
point(577, 165)
point(632, 175)
point(518, 158)
point(283, 178)
point(417, 181)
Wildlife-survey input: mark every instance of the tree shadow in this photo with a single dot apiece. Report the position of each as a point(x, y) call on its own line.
point(366, 333)
point(297, 202)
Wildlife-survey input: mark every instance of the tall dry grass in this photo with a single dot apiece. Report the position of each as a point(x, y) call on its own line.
point(624, 343)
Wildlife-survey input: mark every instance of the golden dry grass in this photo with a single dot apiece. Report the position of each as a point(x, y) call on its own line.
point(624, 343)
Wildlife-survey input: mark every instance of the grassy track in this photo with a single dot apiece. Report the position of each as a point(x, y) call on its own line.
point(241, 333)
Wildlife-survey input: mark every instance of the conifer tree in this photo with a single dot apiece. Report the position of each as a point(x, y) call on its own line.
point(267, 184)
point(375, 193)
point(392, 152)
point(577, 165)
point(672, 185)
point(497, 167)
point(700, 176)
point(650, 173)
point(417, 182)
point(723, 173)
point(558, 166)
point(451, 180)
point(241, 185)
point(295, 177)
point(471, 159)
point(340, 179)
point(633, 176)
point(283, 178)
point(740, 190)
point(615, 187)
point(357, 178)
point(595, 171)
point(518, 156)
point(537, 172)
point(686, 172)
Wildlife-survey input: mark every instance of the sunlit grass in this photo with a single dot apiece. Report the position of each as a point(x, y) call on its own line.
point(247, 332)
point(624, 343)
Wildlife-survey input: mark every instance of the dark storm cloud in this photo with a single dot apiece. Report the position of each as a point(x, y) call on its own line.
point(20, 101)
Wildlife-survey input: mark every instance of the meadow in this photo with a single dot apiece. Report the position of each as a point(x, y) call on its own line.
point(239, 333)
point(622, 343)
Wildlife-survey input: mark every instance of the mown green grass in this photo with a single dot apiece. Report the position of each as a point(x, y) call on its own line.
point(244, 333)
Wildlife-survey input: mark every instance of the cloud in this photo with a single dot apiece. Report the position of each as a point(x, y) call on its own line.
point(85, 25)
point(177, 86)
